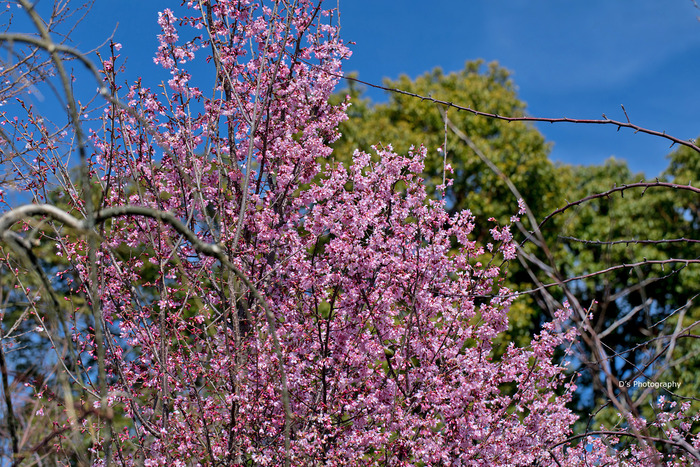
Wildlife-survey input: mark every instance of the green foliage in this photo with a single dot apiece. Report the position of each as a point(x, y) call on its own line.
point(642, 301)
point(582, 241)
point(517, 148)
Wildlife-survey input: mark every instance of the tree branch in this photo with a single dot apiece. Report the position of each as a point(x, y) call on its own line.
point(604, 121)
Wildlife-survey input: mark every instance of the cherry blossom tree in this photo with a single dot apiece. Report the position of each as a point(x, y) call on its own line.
point(223, 293)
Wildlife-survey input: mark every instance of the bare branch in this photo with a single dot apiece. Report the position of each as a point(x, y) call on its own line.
point(604, 121)
point(621, 189)
point(615, 268)
point(627, 242)
point(675, 442)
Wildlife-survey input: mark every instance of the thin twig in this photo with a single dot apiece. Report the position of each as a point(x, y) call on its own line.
point(621, 189)
point(10, 413)
point(615, 268)
point(604, 121)
point(627, 242)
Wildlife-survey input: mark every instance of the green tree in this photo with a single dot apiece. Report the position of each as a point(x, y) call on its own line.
point(630, 306)
point(517, 148)
point(635, 307)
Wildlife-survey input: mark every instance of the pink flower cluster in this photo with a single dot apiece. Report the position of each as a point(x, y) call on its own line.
point(384, 309)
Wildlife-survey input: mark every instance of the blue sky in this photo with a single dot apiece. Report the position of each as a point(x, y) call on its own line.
point(574, 59)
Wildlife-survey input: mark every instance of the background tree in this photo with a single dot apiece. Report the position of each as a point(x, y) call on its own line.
point(518, 149)
point(632, 305)
point(636, 307)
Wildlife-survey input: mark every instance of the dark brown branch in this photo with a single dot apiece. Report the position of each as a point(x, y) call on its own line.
point(621, 189)
point(85, 412)
point(627, 242)
point(604, 121)
point(678, 443)
point(614, 268)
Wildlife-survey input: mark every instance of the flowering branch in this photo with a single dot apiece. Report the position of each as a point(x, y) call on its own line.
point(23, 212)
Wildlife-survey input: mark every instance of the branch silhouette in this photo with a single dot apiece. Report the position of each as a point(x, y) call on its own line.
point(586, 121)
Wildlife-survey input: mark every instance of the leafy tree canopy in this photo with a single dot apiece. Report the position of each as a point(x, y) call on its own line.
point(630, 305)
